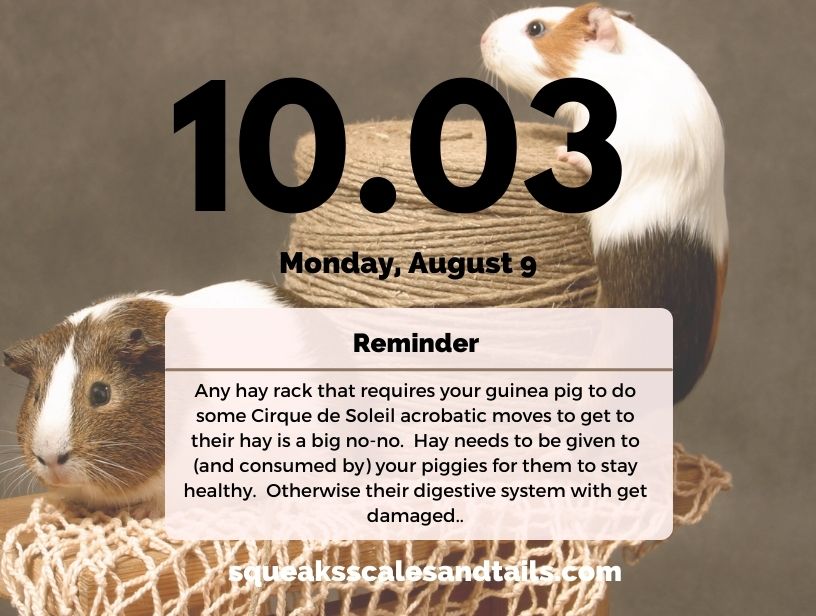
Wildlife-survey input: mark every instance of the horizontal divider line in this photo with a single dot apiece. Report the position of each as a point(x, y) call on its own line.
point(418, 369)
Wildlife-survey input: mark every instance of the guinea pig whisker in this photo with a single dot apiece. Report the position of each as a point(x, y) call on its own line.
point(124, 468)
point(16, 482)
point(121, 487)
point(7, 491)
point(115, 465)
point(103, 444)
point(10, 475)
point(10, 460)
point(98, 472)
point(107, 477)
point(107, 443)
point(7, 472)
point(95, 476)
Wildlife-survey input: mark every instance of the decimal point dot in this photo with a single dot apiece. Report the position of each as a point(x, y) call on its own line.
point(378, 195)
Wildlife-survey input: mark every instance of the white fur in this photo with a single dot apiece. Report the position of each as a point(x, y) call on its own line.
point(668, 133)
point(238, 294)
point(510, 53)
point(52, 433)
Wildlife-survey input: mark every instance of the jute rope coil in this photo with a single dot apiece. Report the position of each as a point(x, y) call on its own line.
point(65, 562)
point(516, 224)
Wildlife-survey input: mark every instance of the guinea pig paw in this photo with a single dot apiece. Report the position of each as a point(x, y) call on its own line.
point(576, 159)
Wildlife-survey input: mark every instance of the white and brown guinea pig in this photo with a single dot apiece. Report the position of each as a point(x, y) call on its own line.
point(662, 240)
point(92, 421)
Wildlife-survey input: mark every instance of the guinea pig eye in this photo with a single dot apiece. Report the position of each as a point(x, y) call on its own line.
point(535, 29)
point(100, 394)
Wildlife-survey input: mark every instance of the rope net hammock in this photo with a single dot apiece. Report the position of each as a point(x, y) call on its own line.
point(64, 561)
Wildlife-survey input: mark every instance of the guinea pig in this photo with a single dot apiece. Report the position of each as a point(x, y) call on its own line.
point(662, 239)
point(91, 425)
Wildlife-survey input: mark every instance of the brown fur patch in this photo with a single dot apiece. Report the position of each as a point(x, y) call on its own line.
point(122, 442)
point(561, 45)
point(671, 271)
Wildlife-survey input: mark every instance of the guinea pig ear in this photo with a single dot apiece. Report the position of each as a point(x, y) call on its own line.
point(141, 350)
point(19, 357)
point(602, 30)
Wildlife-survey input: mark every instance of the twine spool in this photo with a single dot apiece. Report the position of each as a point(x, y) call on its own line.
point(516, 224)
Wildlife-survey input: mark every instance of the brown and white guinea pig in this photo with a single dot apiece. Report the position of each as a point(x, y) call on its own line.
point(92, 422)
point(662, 240)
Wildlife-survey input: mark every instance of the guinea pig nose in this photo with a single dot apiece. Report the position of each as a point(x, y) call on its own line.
point(57, 460)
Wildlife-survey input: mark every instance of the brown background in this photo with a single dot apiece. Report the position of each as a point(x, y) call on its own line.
point(97, 199)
